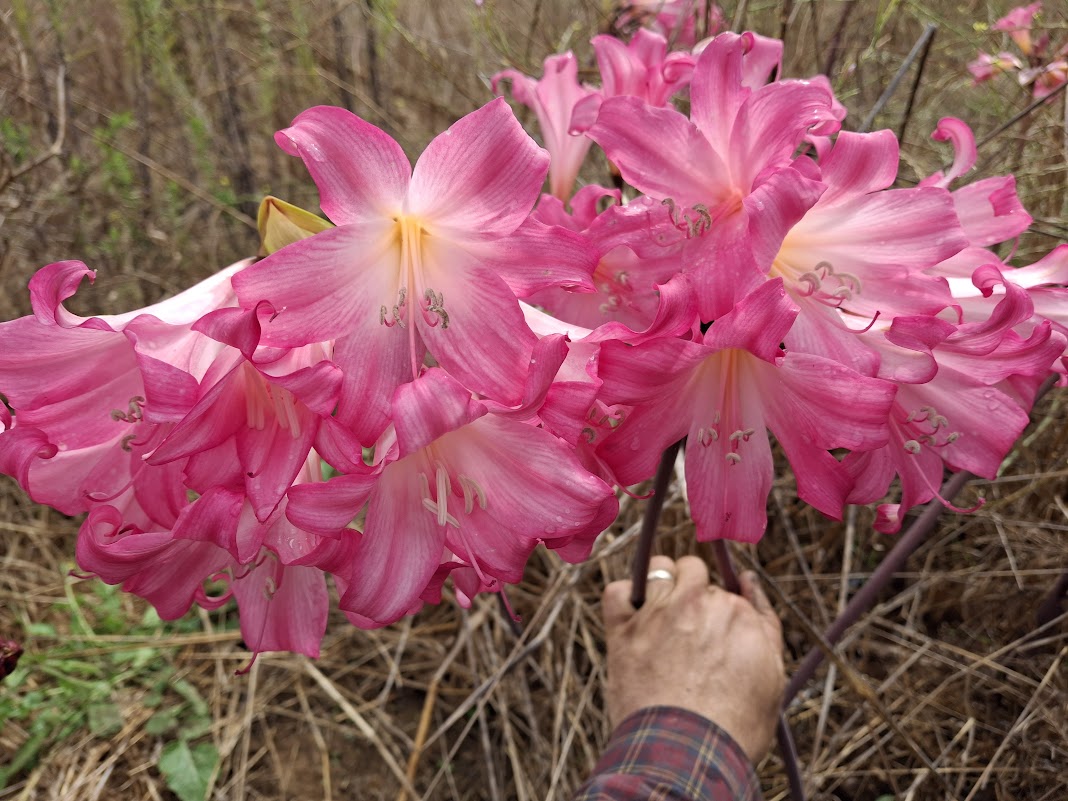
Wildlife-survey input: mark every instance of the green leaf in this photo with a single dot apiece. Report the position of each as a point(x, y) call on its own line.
point(105, 719)
point(188, 770)
point(162, 722)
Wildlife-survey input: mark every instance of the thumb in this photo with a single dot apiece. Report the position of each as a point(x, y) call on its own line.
point(615, 604)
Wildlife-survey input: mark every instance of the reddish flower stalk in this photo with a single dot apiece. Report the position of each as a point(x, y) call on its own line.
point(640, 565)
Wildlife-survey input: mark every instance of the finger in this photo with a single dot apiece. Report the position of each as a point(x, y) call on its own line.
point(615, 604)
point(691, 575)
point(754, 593)
point(657, 589)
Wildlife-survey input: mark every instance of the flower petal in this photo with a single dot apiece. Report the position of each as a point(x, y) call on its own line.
point(480, 178)
point(362, 174)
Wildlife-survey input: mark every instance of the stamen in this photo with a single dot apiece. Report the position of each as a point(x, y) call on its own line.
point(732, 457)
point(443, 489)
point(472, 492)
point(133, 414)
point(912, 446)
point(433, 303)
point(398, 313)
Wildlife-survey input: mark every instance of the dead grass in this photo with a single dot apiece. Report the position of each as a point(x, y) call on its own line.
point(943, 691)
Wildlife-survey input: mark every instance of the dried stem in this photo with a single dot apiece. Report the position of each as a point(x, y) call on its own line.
point(639, 571)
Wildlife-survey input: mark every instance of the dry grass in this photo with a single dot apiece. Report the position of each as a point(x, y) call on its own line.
point(162, 150)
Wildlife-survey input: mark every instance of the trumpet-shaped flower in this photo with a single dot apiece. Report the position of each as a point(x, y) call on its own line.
point(727, 173)
point(724, 392)
point(553, 99)
point(420, 262)
point(78, 393)
point(486, 488)
point(643, 68)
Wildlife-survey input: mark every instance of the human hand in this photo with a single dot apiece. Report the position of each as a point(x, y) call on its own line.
point(696, 646)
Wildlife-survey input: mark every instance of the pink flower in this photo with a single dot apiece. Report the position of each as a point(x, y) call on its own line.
point(247, 424)
point(728, 173)
point(420, 262)
point(861, 249)
point(987, 66)
point(282, 599)
point(629, 268)
point(958, 403)
point(75, 384)
point(643, 69)
point(458, 481)
point(676, 20)
point(1017, 23)
point(553, 99)
point(989, 210)
point(724, 391)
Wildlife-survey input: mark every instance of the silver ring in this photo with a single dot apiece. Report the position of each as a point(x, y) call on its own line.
point(660, 575)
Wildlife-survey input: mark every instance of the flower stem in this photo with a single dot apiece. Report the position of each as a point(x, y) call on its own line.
point(787, 747)
point(639, 570)
point(725, 566)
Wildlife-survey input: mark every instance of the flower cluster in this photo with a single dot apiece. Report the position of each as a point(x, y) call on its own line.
point(454, 368)
point(1037, 65)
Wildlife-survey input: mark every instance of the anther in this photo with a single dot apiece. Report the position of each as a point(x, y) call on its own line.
point(434, 303)
point(472, 492)
point(732, 457)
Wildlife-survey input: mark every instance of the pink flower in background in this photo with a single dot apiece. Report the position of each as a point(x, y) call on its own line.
point(987, 66)
point(643, 68)
point(420, 262)
point(675, 20)
point(1017, 24)
point(553, 99)
point(1036, 69)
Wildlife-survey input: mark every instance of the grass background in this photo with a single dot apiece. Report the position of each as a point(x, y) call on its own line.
point(135, 135)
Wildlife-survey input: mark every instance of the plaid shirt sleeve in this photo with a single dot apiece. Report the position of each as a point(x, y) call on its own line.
point(668, 754)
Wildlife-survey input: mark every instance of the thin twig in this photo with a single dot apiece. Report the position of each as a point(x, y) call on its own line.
point(921, 45)
point(990, 137)
point(364, 727)
point(985, 777)
point(915, 86)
